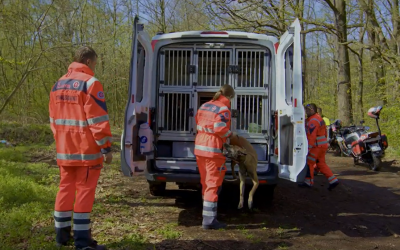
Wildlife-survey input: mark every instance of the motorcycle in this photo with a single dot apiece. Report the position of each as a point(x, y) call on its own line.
point(347, 135)
point(362, 145)
point(332, 132)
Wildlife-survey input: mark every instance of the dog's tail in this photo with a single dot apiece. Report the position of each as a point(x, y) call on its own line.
point(233, 163)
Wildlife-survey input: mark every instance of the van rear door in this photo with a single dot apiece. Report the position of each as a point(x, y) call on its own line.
point(292, 146)
point(137, 109)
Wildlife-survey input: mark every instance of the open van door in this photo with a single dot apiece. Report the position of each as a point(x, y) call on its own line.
point(137, 109)
point(292, 140)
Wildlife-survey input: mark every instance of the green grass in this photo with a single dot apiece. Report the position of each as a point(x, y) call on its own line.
point(27, 192)
point(169, 232)
point(17, 133)
point(28, 186)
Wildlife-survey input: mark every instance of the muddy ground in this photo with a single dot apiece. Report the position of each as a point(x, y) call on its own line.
point(363, 212)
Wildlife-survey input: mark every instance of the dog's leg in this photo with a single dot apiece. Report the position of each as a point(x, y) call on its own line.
point(242, 176)
point(234, 177)
point(254, 179)
point(233, 163)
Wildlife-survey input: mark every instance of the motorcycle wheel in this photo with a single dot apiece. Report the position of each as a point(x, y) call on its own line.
point(376, 163)
point(337, 151)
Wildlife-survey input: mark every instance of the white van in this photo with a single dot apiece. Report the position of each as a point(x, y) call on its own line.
point(173, 74)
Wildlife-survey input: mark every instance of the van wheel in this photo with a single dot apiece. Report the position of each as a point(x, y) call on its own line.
point(157, 188)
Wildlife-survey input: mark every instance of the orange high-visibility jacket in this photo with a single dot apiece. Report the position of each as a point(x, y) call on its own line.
point(213, 120)
point(79, 118)
point(316, 132)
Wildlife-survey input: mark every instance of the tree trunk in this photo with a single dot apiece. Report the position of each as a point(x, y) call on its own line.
point(163, 16)
point(360, 87)
point(344, 81)
point(396, 42)
point(379, 43)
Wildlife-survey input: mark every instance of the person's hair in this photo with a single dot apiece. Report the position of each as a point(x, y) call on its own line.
point(226, 91)
point(312, 106)
point(319, 110)
point(84, 53)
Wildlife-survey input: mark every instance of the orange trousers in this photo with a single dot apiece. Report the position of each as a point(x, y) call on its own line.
point(316, 156)
point(77, 184)
point(212, 173)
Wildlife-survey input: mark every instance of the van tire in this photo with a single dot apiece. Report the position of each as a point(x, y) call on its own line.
point(157, 188)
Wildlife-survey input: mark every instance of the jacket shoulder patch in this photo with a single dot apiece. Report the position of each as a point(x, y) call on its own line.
point(100, 95)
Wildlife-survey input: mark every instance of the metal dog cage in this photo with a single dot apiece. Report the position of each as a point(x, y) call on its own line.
point(187, 72)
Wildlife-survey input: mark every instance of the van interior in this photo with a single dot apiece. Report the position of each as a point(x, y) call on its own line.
point(190, 74)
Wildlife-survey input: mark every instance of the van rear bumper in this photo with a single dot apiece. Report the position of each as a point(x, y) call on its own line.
point(154, 175)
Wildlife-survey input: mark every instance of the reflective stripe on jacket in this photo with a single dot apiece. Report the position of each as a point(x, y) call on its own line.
point(79, 118)
point(316, 132)
point(213, 120)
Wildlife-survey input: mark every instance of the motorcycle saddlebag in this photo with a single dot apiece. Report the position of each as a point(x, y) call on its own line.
point(358, 147)
point(385, 141)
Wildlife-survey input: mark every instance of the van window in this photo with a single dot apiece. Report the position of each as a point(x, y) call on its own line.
point(289, 75)
point(140, 72)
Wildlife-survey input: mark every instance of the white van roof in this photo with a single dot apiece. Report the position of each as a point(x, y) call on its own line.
point(222, 34)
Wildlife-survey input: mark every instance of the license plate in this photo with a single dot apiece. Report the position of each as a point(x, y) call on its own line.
point(375, 147)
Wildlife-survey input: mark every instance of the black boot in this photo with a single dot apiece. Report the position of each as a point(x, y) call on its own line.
point(215, 225)
point(93, 246)
point(83, 233)
point(210, 216)
point(333, 185)
point(63, 228)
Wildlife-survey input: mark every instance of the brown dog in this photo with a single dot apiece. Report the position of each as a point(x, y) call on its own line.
point(242, 152)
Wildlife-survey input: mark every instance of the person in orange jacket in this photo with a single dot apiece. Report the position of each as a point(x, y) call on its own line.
point(80, 124)
point(317, 147)
point(213, 121)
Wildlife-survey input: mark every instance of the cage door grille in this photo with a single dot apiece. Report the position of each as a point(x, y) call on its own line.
point(250, 118)
point(213, 67)
point(251, 65)
point(175, 112)
point(176, 65)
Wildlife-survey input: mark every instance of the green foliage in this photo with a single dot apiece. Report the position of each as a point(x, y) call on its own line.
point(11, 62)
point(14, 154)
point(26, 134)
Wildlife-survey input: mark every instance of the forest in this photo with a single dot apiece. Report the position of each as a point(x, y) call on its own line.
point(350, 49)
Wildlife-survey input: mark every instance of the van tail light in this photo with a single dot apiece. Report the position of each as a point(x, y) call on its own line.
point(276, 45)
point(153, 44)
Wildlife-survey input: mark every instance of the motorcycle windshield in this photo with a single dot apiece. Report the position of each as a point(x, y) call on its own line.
point(350, 138)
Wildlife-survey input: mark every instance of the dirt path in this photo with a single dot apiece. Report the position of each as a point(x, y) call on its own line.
point(363, 212)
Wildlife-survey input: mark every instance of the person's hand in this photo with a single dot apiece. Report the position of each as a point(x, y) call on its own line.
point(108, 157)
